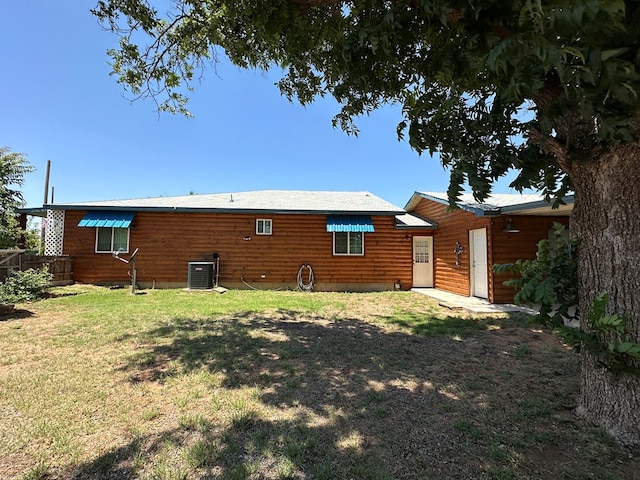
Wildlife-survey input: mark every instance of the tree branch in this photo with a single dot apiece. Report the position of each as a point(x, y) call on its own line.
point(315, 3)
point(550, 146)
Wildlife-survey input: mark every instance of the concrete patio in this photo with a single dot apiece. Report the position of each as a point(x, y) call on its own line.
point(470, 304)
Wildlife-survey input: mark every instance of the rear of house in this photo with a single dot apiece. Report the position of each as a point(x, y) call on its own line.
point(270, 239)
point(352, 241)
point(472, 238)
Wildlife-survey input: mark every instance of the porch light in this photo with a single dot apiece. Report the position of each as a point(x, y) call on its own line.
point(510, 227)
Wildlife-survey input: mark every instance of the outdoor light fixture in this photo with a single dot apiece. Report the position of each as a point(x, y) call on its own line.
point(510, 227)
point(247, 238)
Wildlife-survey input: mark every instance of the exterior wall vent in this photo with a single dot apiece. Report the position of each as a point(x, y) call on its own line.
point(200, 276)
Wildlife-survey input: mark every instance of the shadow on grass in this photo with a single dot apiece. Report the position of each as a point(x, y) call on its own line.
point(347, 399)
point(59, 294)
point(449, 326)
point(16, 314)
point(124, 463)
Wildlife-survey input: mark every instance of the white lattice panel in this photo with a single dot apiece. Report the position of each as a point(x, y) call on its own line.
point(54, 232)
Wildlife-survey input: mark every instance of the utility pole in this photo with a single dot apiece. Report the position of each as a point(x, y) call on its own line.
point(46, 200)
point(46, 183)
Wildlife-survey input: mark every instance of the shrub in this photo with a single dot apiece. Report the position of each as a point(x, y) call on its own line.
point(24, 286)
point(550, 280)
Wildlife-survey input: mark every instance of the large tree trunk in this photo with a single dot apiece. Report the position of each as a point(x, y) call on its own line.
point(606, 221)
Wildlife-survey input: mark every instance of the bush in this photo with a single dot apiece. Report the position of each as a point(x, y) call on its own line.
point(24, 286)
point(550, 280)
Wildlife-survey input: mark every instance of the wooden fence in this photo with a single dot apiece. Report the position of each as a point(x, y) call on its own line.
point(61, 267)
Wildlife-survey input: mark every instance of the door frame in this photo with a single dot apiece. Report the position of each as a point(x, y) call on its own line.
point(476, 290)
point(429, 283)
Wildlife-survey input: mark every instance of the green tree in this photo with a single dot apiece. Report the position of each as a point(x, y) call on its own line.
point(13, 168)
point(32, 235)
point(549, 88)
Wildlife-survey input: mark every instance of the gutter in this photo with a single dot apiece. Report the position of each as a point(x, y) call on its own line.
point(216, 210)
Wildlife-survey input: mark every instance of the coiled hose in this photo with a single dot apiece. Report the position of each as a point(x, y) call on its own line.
point(310, 283)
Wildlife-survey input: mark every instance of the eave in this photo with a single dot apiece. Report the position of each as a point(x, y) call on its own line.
point(259, 211)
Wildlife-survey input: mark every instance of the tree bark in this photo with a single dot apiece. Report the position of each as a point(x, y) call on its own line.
point(606, 221)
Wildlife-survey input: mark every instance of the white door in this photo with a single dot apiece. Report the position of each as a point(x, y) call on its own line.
point(422, 262)
point(479, 272)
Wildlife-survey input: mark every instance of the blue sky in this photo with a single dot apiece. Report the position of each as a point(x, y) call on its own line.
point(60, 104)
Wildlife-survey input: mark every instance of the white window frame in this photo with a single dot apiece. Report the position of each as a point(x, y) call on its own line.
point(348, 245)
point(112, 235)
point(264, 222)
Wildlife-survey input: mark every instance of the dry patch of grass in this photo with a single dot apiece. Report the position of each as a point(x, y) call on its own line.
point(173, 385)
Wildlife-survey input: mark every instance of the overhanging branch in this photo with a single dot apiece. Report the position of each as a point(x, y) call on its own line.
point(550, 146)
point(316, 3)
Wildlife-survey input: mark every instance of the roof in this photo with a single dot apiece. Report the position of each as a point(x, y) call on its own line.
point(265, 201)
point(407, 220)
point(499, 203)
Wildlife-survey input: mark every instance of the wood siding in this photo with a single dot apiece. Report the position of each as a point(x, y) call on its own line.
point(502, 247)
point(167, 241)
point(509, 247)
point(453, 226)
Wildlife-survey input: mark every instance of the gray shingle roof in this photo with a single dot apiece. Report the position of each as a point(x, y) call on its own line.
point(275, 201)
point(493, 202)
point(498, 203)
point(408, 220)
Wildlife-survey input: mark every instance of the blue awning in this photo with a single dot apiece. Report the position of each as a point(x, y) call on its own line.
point(349, 223)
point(107, 219)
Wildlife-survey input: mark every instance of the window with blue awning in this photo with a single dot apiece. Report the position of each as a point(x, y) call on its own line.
point(107, 219)
point(349, 223)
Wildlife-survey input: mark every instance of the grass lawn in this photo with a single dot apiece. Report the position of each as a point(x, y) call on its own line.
point(175, 385)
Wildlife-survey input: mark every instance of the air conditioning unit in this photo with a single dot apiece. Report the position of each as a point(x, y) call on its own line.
point(200, 275)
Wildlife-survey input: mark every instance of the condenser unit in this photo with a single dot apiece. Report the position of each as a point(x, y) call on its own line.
point(200, 276)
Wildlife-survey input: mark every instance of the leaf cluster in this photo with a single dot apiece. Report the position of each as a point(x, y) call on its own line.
point(13, 168)
point(604, 338)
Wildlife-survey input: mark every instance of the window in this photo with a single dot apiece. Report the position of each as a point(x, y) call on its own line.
point(348, 243)
point(421, 247)
point(263, 226)
point(111, 239)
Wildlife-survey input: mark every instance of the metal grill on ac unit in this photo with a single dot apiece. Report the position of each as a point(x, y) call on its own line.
point(200, 276)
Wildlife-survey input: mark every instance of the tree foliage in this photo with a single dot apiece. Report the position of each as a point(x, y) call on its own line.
point(32, 234)
point(13, 168)
point(604, 339)
point(474, 77)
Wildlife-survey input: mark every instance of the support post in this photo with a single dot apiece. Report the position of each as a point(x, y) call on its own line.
point(133, 276)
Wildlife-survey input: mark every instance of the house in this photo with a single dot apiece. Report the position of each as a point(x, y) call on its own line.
point(469, 240)
point(350, 241)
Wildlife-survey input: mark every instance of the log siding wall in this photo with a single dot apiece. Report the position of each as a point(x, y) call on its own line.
point(453, 226)
point(509, 247)
point(502, 247)
point(167, 241)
